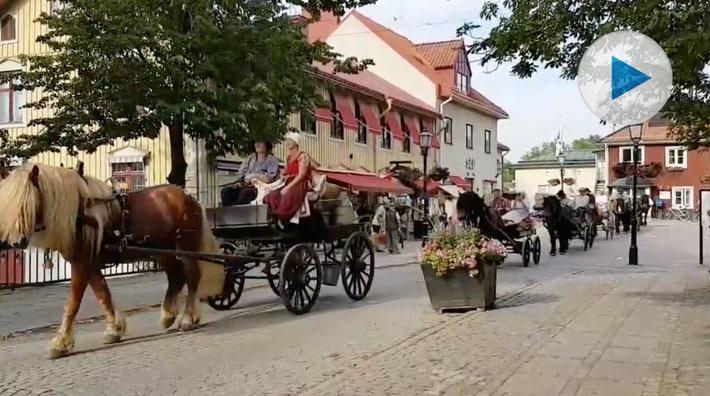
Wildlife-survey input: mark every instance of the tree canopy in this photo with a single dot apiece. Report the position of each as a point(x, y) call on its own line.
point(555, 33)
point(227, 72)
point(547, 148)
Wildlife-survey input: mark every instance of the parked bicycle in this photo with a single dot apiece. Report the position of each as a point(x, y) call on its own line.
point(681, 214)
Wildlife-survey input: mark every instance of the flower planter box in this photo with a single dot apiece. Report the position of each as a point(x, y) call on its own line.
point(457, 290)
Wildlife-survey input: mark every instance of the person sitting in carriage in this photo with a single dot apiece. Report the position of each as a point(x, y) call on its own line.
point(289, 201)
point(262, 166)
point(563, 198)
point(591, 204)
point(499, 203)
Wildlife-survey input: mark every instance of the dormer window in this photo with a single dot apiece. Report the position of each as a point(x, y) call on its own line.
point(463, 73)
point(462, 82)
point(8, 28)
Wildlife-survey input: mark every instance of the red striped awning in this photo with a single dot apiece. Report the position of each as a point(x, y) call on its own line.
point(460, 182)
point(365, 182)
point(324, 115)
point(413, 126)
point(368, 113)
point(346, 113)
point(395, 127)
point(432, 186)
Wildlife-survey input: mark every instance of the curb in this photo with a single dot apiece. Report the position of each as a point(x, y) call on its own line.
point(143, 308)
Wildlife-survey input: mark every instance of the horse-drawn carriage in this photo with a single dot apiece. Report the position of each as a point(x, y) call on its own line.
point(525, 240)
point(327, 246)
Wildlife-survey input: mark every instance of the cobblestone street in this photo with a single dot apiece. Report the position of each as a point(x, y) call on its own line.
point(581, 324)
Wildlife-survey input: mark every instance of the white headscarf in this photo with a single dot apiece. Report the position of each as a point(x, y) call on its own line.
point(294, 136)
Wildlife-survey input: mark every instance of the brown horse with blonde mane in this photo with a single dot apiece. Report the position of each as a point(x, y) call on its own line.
point(60, 209)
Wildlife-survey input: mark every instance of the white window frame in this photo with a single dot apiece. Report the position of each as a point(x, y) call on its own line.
point(9, 66)
point(675, 150)
point(17, 28)
point(642, 149)
point(689, 205)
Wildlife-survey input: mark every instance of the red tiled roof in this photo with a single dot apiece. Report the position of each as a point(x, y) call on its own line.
point(367, 79)
point(430, 62)
point(653, 132)
point(441, 54)
point(324, 27)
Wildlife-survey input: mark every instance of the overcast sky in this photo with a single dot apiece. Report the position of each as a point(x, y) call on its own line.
point(537, 106)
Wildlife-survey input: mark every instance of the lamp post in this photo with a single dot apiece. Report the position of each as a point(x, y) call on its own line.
point(425, 138)
point(561, 158)
point(635, 133)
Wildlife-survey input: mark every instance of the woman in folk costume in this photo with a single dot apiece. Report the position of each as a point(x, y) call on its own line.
point(283, 204)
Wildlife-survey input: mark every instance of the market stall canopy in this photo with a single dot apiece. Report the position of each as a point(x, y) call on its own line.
point(431, 185)
point(452, 190)
point(365, 182)
point(460, 182)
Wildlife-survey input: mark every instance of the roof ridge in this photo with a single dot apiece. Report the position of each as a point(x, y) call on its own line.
point(438, 42)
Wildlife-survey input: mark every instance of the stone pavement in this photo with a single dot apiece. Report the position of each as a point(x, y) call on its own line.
point(600, 328)
point(41, 306)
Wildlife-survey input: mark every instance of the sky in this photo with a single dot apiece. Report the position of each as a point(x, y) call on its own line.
point(538, 106)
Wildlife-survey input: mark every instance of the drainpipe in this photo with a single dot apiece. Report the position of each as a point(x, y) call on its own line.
point(502, 168)
point(441, 108)
point(388, 100)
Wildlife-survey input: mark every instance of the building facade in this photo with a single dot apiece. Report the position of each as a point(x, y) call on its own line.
point(533, 176)
point(683, 173)
point(438, 74)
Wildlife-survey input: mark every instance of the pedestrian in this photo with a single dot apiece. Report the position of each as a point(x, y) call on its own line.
point(392, 226)
point(378, 225)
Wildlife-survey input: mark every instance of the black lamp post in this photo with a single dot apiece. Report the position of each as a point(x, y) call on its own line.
point(635, 133)
point(425, 139)
point(561, 158)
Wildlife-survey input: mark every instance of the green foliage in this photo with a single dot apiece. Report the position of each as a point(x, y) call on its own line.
point(555, 34)
point(227, 72)
point(508, 172)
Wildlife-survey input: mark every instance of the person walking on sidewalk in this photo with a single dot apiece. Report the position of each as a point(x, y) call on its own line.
point(392, 226)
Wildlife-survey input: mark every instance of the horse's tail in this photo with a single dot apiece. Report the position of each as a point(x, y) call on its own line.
point(212, 275)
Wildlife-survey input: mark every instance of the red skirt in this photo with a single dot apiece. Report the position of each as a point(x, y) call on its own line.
point(285, 206)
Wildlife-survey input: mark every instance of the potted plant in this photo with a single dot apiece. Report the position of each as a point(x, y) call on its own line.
point(459, 267)
point(569, 181)
point(554, 182)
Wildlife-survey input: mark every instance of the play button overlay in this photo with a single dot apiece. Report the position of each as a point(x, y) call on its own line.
point(625, 78)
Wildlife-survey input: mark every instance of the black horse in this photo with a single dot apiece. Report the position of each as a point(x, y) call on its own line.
point(558, 224)
point(643, 206)
point(623, 214)
point(472, 211)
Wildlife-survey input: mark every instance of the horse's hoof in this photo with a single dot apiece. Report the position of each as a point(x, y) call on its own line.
point(61, 346)
point(167, 321)
point(111, 338)
point(56, 353)
point(563, 253)
point(553, 254)
point(187, 326)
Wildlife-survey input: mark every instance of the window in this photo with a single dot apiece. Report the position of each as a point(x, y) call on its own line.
point(337, 128)
point(407, 142)
point(469, 136)
point(308, 123)
point(462, 82)
point(625, 154)
point(8, 28)
point(449, 131)
point(676, 157)
point(361, 125)
point(682, 198)
point(487, 141)
point(386, 137)
point(11, 102)
point(129, 175)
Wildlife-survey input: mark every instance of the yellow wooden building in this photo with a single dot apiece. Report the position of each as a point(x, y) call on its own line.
point(358, 132)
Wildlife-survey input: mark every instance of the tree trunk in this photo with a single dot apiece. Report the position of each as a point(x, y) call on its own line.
point(178, 169)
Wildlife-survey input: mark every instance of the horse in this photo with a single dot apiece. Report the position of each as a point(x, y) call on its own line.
point(472, 211)
point(81, 217)
point(644, 208)
point(558, 224)
point(623, 215)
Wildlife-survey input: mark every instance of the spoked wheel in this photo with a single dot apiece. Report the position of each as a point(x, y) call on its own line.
point(300, 278)
point(358, 266)
point(526, 252)
point(234, 288)
point(536, 250)
point(274, 283)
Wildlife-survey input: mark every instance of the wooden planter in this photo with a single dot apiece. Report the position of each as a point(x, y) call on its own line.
point(458, 290)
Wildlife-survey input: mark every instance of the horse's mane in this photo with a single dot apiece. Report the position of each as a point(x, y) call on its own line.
point(59, 194)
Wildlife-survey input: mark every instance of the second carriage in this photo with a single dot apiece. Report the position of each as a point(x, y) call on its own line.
point(325, 248)
point(520, 227)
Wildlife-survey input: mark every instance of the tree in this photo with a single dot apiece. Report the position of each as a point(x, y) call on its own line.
point(589, 143)
point(227, 72)
point(508, 172)
point(555, 34)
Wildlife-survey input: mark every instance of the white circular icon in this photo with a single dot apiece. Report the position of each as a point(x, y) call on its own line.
point(625, 78)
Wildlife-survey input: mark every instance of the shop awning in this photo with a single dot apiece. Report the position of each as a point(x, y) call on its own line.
point(395, 126)
point(628, 182)
point(413, 126)
point(460, 182)
point(368, 113)
point(346, 112)
point(365, 182)
point(432, 186)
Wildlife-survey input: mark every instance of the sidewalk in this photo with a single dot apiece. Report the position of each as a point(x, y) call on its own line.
point(42, 306)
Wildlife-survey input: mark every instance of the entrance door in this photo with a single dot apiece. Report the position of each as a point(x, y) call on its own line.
point(682, 198)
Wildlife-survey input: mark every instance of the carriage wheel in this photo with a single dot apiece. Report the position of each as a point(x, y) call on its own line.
point(237, 285)
point(526, 252)
point(300, 278)
point(537, 250)
point(585, 237)
point(357, 266)
point(274, 283)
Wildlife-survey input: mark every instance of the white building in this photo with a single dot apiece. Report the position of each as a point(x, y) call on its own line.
point(438, 74)
point(534, 176)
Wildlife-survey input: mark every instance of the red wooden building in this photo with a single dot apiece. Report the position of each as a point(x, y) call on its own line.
point(683, 172)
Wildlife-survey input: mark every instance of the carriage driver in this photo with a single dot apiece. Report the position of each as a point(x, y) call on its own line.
point(261, 165)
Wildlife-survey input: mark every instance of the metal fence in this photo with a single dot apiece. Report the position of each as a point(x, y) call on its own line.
point(32, 267)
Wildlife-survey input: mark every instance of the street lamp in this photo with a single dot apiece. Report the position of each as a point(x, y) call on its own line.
point(425, 138)
point(561, 158)
point(635, 133)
